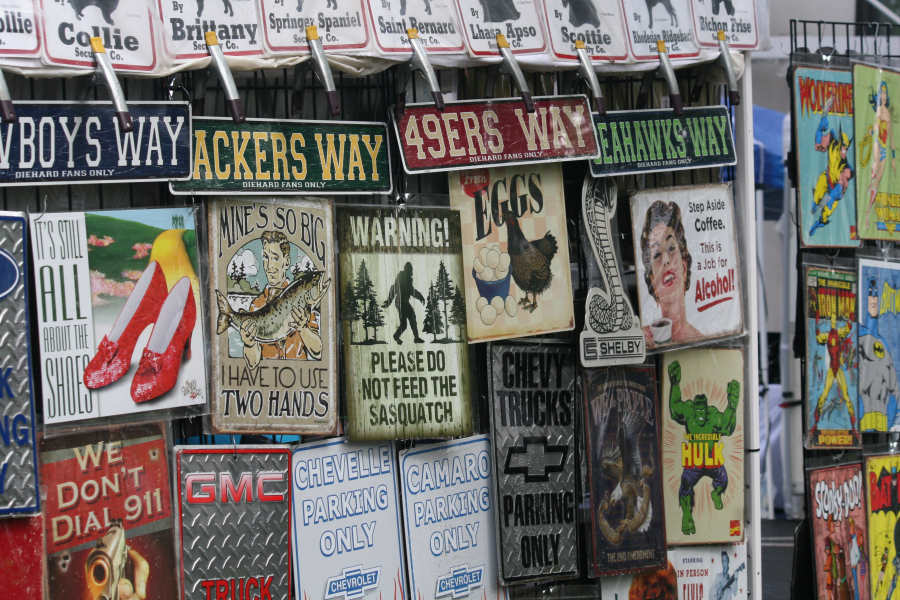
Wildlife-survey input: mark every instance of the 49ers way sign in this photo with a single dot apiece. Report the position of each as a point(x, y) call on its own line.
point(468, 134)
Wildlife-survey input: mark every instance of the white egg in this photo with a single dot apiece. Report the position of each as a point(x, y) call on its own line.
point(487, 274)
point(504, 261)
point(497, 303)
point(493, 259)
point(478, 265)
point(489, 315)
point(511, 307)
point(482, 255)
point(500, 275)
point(481, 303)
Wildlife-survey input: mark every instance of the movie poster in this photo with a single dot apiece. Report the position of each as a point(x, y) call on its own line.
point(671, 21)
point(597, 23)
point(840, 543)
point(879, 345)
point(703, 446)
point(826, 157)
point(877, 179)
point(625, 473)
point(406, 357)
point(711, 572)
point(659, 584)
point(533, 424)
point(515, 250)
point(689, 278)
point(272, 292)
point(883, 506)
point(108, 514)
point(832, 359)
point(120, 321)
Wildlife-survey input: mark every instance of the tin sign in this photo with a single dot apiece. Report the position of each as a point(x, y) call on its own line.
point(597, 23)
point(647, 141)
point(448, 511)
point(18, 457)
point(263, 156)
point(517, 20)
point(737, 18)
point(19, 27)
point(273, 295)
point(669, 20)
point(533, 424)
point(354, 549)
point(435, 20)
point(495, 132)
point(235, 24)
point(234, 513)
point(80, 142)
point(284, 27)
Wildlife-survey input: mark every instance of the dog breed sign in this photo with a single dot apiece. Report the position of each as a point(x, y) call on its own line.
point(20, 30)
point(234, 22)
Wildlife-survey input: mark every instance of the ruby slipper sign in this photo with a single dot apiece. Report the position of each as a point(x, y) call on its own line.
point(497, 132)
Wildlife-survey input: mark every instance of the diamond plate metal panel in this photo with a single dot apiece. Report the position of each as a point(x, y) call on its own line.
point(533, 428)
point(18, 453)
point(231, 532)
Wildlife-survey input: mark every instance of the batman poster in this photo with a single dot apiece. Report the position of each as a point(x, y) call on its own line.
point(883, 509)
point(625, 475)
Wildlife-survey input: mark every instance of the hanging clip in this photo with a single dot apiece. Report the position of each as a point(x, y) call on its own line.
point(231, 94)
point(510, 67)
point(587, 73)
point(664, 71)
point(418, 62)
point(7, 111)
point(734, 96)
point(105, 70)
point(323, 70)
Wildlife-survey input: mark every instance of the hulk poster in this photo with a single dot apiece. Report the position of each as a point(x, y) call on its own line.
point(273, 300)
point(703, 445)
point(831, 359)
point(883, 508)
point(403, 311)
point(877, 180)
point(826, 157)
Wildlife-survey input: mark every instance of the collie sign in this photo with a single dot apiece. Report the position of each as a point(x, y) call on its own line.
point(80, 142)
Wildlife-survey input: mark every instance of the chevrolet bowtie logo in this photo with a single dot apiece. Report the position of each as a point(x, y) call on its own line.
point(460, 581)
point(535, 459)
point(352, 583)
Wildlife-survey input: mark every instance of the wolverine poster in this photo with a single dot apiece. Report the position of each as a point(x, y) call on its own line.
point(826, 157)
point(403, 311)
point(625, 474)
point(883, 508)
point(832, 359)
point(840, 542)
point(515, 250)
point(274, 354)
point(703, 445)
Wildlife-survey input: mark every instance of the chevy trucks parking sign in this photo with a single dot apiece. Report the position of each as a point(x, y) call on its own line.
point(80, 142)
point(352, 548)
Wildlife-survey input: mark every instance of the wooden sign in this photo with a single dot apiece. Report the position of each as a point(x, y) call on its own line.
point(647, 141)
point(492, 133)
point(267, 156)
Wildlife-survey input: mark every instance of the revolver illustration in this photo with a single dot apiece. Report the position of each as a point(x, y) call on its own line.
point(105, 565)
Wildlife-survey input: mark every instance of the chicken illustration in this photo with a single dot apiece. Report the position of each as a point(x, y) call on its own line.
point(529, 262)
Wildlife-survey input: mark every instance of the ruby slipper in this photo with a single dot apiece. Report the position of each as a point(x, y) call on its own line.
point(113, 358)
point(157, 372)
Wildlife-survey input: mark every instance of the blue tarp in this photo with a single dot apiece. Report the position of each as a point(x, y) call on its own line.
point(768, 154)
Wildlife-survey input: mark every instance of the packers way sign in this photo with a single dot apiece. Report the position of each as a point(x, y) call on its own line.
point(646, 141)
point(265, 156)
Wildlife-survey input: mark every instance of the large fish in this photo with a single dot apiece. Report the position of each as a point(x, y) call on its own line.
point(272, 320)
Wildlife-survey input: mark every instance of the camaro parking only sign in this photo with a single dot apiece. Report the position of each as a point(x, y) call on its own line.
point(346, 531)
point(449, 520)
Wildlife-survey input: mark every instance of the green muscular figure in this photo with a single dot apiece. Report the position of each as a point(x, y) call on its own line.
point(698, 417)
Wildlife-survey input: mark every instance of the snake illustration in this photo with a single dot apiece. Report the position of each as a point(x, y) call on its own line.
point(608, 308)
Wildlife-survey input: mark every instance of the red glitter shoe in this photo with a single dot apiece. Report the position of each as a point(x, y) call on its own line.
point(113, 358)
point(157, 372)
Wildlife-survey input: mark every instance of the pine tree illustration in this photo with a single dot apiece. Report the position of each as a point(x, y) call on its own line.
point(458, 310)
point(374, 317)
point(432, 322)
point(365, 292)
point(350, 306)
point(443, 292)
point(234, 272)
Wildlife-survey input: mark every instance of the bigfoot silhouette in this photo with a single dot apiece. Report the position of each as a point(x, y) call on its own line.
point(400, 294)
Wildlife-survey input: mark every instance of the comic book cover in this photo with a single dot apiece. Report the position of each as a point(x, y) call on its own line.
point(703, 446)
point(403, 311)
point(883, 509)
point(879, 345)
point(831, 359)
point(840, 542)
point(625, 474)
point(108, 514)
point(515, 250)
point(659, 584)
point(711, 572)
point(120, 322)
point(271, 282)
point(877, 179)
point(826, 157)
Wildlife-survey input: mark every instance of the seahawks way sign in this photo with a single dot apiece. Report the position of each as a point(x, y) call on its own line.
point(267, 156)
point(647, 141)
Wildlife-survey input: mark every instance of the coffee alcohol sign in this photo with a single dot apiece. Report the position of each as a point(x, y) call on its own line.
point(467, 134)
point(80, 142)
point(647, 141)
point(265, 156)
